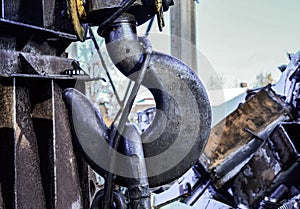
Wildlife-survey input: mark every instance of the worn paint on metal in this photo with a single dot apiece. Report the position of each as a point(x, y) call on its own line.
point(27, 63)
point(38, 167)
point(260, 114)
point(41, 113)
point(7, 171)
point(67, 179)
point(28, 181)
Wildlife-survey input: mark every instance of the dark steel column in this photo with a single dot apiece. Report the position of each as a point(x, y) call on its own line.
point(7, 170)
point(183, 32)
point(28, 182)
point(41, 98)
point(38, 166)
point(67, 180)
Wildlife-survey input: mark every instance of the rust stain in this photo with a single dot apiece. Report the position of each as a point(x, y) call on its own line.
point(230, 135)
point(28, 176)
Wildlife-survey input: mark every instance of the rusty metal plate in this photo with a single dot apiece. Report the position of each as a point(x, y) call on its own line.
point(7, 170)
point(230, 144)
point(38, 168)
point(67, 178)
point(28, 174)
point(31, 65)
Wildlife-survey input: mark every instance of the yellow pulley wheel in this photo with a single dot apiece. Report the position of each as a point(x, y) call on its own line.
point(80, 9)
point(76, 13)
point(160, 15)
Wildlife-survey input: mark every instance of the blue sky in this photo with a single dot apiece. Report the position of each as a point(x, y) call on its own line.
point(242, 38)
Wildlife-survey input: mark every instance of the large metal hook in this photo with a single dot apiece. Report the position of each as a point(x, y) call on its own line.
point(179, 132)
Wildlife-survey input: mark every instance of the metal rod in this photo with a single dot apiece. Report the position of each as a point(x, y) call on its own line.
point(127, 91)
point(149, 27)
point(197, 194)
point(123, 101)
point(105, 67)
point(290, 96)
point(254, 134)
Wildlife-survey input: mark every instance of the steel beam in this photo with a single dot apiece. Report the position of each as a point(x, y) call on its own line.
point(67, 179)
point(28, 182)
point(38, 166)
point(7, 136)
point(183, 32)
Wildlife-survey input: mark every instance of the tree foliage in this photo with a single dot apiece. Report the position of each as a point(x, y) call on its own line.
point(216, 82)
point(264, 79)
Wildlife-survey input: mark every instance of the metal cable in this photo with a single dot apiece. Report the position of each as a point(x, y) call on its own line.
point(110, 178)
point(105, 67)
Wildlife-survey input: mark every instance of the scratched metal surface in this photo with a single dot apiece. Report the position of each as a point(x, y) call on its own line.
point(229, 143)
point(38, 166)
